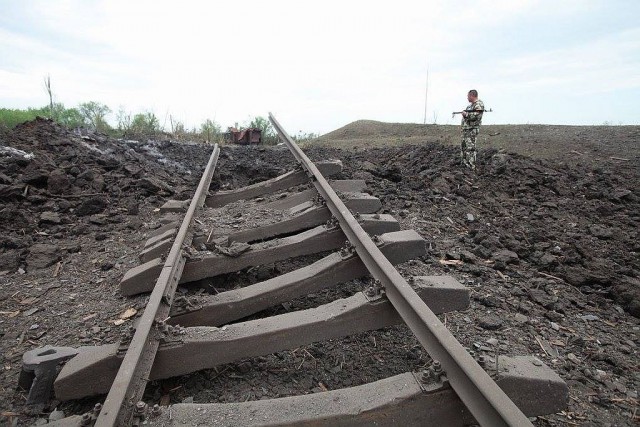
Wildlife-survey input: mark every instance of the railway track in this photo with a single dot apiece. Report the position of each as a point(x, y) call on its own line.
point(179, 335)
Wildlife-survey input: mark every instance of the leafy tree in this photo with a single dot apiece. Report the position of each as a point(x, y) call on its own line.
point(69, 117)
point(94, 115)
point(210, 130)
point(145, 124)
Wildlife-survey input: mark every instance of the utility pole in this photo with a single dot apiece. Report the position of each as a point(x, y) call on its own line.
point(426, 96)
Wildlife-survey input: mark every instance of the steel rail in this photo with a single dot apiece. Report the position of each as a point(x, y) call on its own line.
point(131, 380)
point(481, 395)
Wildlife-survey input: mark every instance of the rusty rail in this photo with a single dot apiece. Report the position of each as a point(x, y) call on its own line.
point(481, 395)
point(131, 380)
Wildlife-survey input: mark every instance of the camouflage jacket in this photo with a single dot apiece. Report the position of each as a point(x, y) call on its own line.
point(473, 120)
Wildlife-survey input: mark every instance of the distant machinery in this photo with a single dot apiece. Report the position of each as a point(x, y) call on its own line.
point(247, 136)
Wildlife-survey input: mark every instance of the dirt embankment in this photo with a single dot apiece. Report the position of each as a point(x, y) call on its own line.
point(591, 145)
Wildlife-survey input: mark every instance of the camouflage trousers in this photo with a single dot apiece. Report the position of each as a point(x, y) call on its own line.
point(468, 147)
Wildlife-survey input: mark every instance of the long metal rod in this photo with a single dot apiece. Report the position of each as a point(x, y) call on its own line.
point(481, 395)
point(131, 380)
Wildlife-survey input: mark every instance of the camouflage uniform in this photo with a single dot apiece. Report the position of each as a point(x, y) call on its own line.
point(470, 129)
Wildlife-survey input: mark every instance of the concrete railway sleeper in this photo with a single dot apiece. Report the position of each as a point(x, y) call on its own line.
point(179, 335)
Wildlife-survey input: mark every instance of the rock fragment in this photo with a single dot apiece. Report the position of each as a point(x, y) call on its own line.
point(490, 322)
point(50, 218)
point(506, 256)
point(42, 255)
point(91, 206)
point(58, 182)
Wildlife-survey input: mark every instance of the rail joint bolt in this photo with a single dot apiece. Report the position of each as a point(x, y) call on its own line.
point(345, 252)
point(482, 360)
point(97, 408)
point(86, 419)
point(141, 407)
point(156, 410)
point(377, 285)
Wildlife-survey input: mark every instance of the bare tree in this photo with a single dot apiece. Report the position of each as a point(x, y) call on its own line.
point(124, 121)
point(47, 85)
point(177, 127)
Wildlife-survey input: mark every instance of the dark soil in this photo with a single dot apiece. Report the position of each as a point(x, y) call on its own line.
point(547, 241)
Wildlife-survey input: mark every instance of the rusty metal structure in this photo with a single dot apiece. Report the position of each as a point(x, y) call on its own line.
point(173, 339)
point(249, 136)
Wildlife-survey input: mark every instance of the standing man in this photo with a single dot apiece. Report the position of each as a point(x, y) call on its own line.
point(471, 120)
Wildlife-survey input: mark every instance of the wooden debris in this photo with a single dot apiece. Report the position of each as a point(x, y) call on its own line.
point(451, 262)
point(10, 314)
point(126, 315)
point(57, 270)
point(550, 276)
point(129, 312)
point(541, 346)
point(29, 301)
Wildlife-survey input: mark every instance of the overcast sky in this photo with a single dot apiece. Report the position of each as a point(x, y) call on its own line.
point(320, 65)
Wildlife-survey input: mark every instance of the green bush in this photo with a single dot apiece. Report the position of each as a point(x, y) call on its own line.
point(69, 117)
point(93, 114)
point(145, 125)
point(269, 136)
point(10, 118)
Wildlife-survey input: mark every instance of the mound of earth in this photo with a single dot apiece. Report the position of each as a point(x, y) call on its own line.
point(370, 128)
point(568, 221)
point(55, 184)
point(613, 146)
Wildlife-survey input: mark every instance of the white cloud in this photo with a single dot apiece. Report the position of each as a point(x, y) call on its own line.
point(315, 65)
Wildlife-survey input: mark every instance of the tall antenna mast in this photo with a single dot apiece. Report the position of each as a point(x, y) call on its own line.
point(426, 96)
